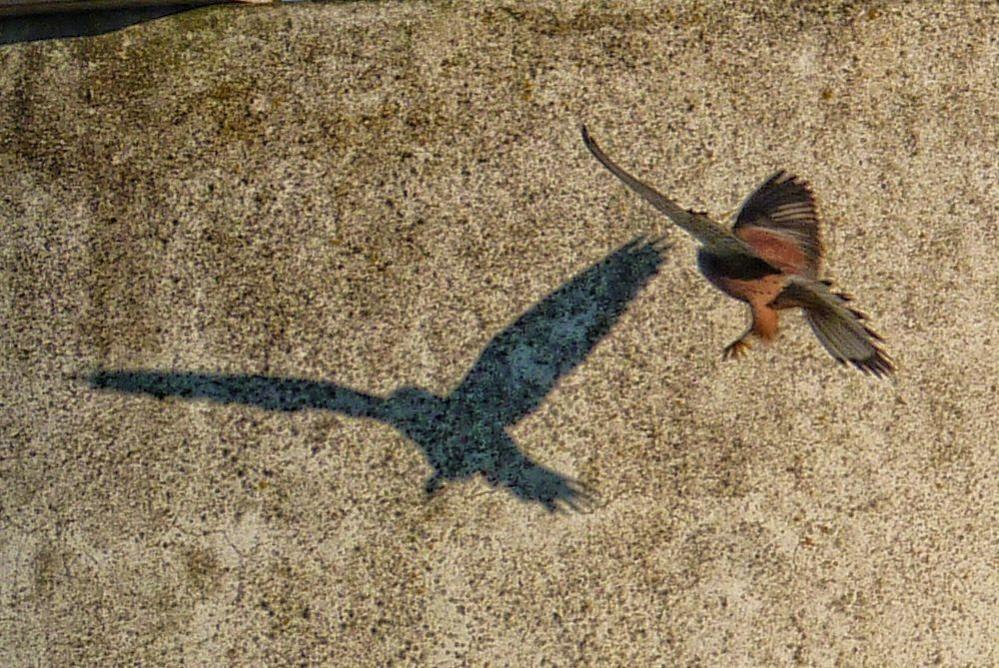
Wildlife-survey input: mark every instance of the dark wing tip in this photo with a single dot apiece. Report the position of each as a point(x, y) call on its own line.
point(587, 139)
point(597, 152)
point(782, 176)
point(787, 200)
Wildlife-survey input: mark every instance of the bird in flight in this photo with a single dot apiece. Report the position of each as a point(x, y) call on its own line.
point(771, 260)
point(464, 432)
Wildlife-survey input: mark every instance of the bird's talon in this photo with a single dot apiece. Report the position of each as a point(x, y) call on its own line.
point(736, 349)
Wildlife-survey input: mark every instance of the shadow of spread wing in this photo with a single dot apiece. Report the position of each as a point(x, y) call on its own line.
point(522, 364)
point(269, 393)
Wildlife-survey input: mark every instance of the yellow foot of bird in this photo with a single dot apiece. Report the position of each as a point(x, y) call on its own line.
point(736, 349)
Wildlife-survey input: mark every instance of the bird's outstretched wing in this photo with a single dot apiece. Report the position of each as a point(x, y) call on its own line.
point(716, 238)
point(839, 328)
point(267, 392)
point(780, 221)
point(522, 364)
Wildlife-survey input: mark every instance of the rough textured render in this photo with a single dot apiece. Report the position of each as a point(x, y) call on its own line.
point(365, 198)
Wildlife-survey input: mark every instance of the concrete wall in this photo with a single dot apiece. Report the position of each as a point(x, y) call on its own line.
point(325, 205)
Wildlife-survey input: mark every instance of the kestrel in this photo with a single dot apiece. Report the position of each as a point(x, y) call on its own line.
point(770, 259)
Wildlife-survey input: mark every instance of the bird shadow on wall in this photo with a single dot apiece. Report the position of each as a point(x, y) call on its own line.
point(463, 433)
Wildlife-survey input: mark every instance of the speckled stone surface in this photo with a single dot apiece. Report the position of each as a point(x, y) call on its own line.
point(368, 195)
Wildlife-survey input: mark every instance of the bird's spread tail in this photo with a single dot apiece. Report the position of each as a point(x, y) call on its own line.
point(839, 327)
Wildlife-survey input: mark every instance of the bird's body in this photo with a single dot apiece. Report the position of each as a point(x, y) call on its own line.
point(771, 259)
point(758, 289)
